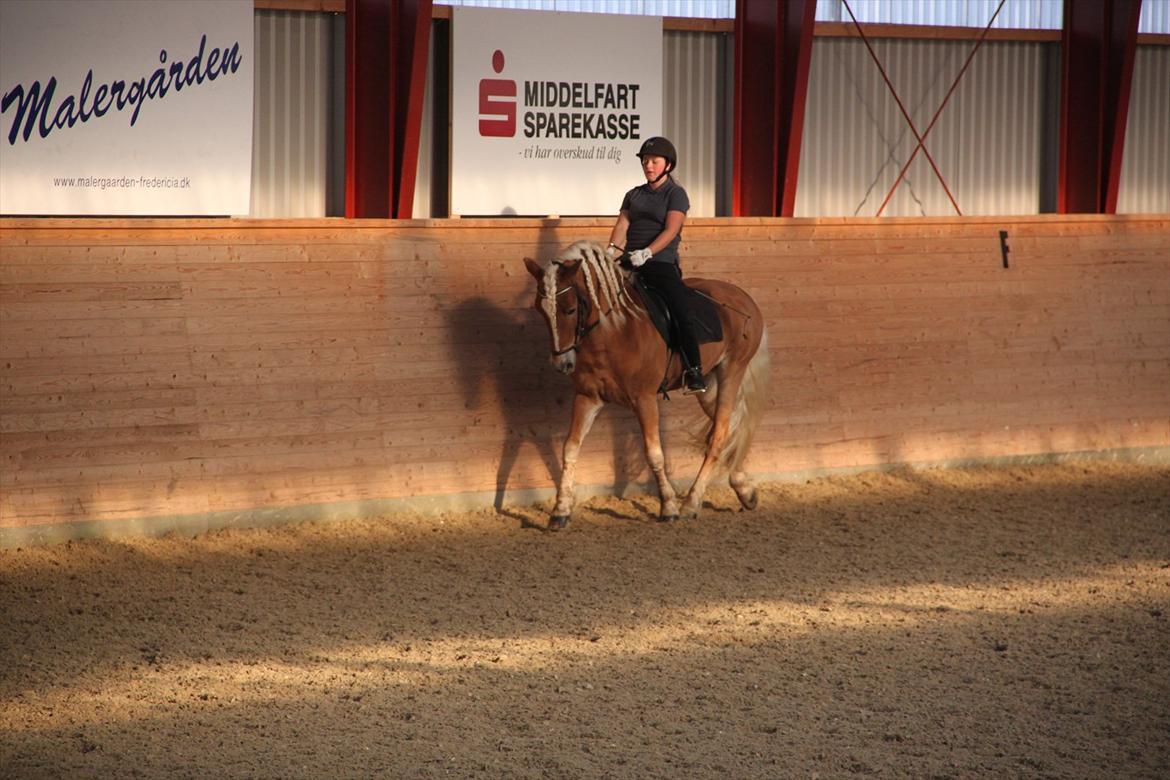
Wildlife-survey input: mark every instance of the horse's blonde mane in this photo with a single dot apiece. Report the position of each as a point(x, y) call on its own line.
point(604, 279)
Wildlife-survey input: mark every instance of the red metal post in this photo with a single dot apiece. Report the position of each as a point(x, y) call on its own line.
point(773, 49)
point(367, 122)
point(385, 57)
point(1098, 43)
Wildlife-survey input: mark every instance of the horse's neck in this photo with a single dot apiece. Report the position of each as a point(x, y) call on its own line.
point(627, 319)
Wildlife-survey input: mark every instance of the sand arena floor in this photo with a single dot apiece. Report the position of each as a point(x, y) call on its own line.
point(939, 624)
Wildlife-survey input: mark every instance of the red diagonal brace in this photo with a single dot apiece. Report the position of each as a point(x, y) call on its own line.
point(938, 113)
point(902, 108)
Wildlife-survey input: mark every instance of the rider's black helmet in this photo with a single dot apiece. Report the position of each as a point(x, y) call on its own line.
point(660, 147)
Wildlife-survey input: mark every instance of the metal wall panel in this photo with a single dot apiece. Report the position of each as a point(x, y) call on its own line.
point(988, 143)
point(1145, 169)
point(1155, 17)
point(724, 9)
point(290, 135)
point(1027, 14)
point(693, 87)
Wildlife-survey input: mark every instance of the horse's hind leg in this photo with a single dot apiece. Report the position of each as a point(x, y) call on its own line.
point(745, 489)
point(647, 410)
point(585, 410)
point(740, 482)
point(721, 426)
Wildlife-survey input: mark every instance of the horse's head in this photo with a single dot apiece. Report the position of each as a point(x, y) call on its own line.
point(564, 308)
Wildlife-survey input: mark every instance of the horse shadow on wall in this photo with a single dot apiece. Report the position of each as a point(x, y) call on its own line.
point(501, 353)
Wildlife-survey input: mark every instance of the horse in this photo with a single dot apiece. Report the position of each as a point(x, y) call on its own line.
point(603, 336)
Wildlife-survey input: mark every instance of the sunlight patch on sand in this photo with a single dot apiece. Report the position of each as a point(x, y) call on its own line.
point(349, 671)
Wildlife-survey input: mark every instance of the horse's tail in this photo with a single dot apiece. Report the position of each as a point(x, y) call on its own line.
point(750, 403)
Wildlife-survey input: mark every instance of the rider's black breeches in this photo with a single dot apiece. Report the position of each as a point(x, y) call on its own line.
point(667, 279)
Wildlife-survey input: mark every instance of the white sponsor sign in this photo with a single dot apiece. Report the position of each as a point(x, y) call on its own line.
point(125, 107)
point(549, 109)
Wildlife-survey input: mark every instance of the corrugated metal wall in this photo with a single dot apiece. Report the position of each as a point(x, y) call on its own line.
point(1043, 14)
point(987, 142)
point(697, 8)
point(693, 93)
point(1155, 17)
point(1145, 170)
point(290, 131)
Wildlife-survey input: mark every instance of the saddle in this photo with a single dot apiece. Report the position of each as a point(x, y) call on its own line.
point(704, 316)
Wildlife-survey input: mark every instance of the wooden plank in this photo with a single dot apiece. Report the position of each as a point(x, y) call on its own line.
point(96, 291)
point(218, 269)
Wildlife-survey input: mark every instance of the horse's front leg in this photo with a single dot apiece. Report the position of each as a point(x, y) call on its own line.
point(647, 410)
point(585, 409)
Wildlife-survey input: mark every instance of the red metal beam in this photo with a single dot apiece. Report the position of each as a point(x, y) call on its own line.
point(1098, 43)
point(773, 48)
point(385, 57)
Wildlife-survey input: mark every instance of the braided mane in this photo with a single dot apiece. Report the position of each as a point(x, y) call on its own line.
point(605, 281)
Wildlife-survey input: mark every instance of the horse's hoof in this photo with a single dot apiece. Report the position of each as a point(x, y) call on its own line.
point(667, 518)
point(689, 514)
point(751, 502)
point(558, 522)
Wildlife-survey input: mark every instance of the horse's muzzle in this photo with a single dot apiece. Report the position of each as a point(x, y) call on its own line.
point(566, 362)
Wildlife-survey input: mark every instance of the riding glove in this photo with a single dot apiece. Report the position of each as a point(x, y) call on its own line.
point(640, 256)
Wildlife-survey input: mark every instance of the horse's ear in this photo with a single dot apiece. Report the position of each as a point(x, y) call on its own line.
point(534, 268)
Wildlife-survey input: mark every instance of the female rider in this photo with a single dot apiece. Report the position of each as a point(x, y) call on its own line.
point(649, 226)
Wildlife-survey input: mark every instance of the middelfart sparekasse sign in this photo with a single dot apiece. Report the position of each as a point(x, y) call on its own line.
point(549, 109)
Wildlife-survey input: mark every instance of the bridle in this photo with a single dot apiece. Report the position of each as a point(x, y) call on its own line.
point(583, 329)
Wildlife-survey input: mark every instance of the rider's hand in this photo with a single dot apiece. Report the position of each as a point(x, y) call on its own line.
point(612, 252)
point(640, 256)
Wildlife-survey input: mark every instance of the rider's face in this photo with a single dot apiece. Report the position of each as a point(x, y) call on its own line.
point(653, 166)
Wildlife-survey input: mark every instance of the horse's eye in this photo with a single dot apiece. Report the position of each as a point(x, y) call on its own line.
point(571, 310)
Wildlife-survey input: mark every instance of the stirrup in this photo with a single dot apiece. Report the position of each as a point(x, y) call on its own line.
point(693, 381)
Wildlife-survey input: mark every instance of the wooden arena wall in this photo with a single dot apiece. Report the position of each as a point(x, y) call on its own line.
point(162, 374)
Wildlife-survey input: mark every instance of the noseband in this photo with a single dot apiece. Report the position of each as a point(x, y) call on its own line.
point(582, 330)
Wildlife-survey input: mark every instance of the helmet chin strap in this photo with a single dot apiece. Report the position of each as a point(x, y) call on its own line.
point(663, 175)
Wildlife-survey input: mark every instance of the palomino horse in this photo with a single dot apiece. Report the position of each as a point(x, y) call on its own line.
point(602, 335)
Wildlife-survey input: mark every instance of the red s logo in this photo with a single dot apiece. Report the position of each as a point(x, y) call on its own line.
point(497, 103)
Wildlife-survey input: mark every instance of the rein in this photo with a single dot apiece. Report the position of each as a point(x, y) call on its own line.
point(727, 306)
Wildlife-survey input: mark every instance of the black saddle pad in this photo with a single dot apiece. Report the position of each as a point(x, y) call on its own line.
point(704, 316)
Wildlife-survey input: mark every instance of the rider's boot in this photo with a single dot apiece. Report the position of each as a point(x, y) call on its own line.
point(693, 380)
